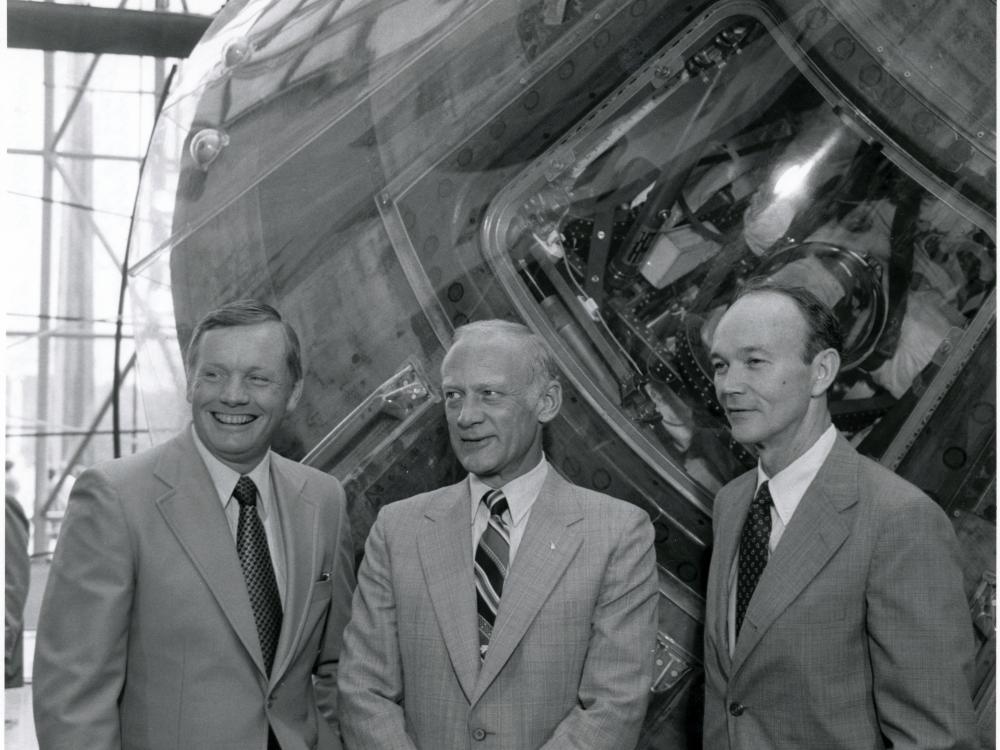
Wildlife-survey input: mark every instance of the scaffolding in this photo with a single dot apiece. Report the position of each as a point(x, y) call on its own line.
point(57, 406)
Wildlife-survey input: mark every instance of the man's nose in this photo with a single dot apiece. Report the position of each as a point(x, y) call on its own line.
point(469, 413)
point(728, 381)
point(234, 391)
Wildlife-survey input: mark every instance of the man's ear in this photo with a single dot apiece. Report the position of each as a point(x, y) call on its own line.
point(825, 366)
point(294, 396)
point(550, 401)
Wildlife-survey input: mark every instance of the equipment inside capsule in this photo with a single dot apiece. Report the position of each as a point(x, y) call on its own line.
point(736, 164)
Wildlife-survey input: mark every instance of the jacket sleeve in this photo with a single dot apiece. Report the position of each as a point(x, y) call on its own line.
point(371, 675)
point(617, 672)
point(342, 580)
point(920, 633)
point(81, 644)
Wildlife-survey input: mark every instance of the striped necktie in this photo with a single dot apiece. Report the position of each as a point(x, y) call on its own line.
point(492, 555)
point(753, 551)
point(255, 559)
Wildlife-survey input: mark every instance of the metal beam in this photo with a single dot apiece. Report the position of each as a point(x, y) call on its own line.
point(82, 28)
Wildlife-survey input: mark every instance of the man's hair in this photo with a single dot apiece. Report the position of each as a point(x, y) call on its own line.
point(822, 327)
point(540, 360)
point(246, 312)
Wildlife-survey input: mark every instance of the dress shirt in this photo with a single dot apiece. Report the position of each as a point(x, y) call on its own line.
point(787, 489)
point(224, 479)
point(521, 494)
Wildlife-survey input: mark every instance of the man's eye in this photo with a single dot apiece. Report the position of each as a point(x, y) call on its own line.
point(260, 380)
point(211, 375)
point(718, 366)
point(451, 395)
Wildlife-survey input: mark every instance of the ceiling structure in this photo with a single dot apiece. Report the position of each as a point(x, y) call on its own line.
point(84, 28)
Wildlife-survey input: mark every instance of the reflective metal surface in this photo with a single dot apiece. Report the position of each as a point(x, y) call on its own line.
point(607, 172)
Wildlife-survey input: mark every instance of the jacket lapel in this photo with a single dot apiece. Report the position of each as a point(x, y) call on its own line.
point(299, 531)
point(192, 511)
point(814, 534)
point(546, 549)
point(730, 511)
point(445, 547)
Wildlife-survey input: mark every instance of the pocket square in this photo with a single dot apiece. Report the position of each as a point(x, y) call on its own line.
point(324, 576)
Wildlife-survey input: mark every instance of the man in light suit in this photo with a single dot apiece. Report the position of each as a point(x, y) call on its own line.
point(835, 610)
point(199, 589)
point(513, 620)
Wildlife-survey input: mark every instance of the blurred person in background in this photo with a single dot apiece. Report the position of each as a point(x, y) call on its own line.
point(17, 571)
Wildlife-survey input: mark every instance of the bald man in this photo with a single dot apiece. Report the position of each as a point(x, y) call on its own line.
point(512, 610)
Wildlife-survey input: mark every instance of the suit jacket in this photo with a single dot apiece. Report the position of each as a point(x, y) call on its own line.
point(569, 664)
point(858, 634)
point(146, 639)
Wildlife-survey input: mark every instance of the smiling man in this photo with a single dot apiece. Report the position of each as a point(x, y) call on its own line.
point(199, 589)
point(835, 614)
point(512, 610)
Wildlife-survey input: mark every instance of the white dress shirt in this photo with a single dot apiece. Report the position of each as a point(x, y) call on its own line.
point(224, 479)
point(521, 494)
point(787, 489)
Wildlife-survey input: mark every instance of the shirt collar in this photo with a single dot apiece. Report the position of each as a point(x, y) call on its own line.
point(224, 478)
point(521, 492)
point(789, 485)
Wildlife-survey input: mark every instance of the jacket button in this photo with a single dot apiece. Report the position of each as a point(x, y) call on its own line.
point(479, 735)
point(736, 709)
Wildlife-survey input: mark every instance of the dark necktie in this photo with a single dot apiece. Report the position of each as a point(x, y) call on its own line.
point(492, 555)
point(255, 558)
point(753, 551)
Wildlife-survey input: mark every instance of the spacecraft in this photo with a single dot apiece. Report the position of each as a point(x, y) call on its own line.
point(608, 172)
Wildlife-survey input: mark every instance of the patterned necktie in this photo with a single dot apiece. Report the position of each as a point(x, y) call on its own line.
point(753, 551)
point(255, 558)
point(492, 557)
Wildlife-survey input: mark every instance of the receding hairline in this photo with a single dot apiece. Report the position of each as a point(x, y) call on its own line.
point(775, 293)
point(542, 365)
point(789, 302)
point(811, 339)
